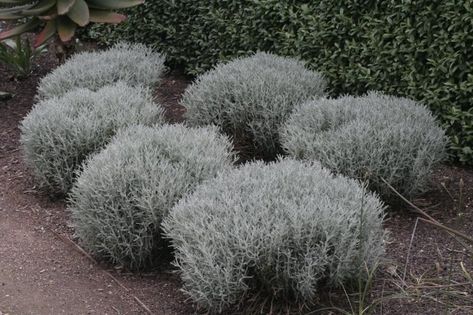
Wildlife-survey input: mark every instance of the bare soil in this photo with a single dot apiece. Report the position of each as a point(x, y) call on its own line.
point(42, 271)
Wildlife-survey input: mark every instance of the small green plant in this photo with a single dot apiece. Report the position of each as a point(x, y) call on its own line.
point(358, 302)
point(19, 56)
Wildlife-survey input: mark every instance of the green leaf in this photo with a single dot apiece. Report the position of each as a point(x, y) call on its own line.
point(48, 31)
point(15, 10)
point(18, 30)
point(114, 4)
point(79, 13)
point(66, 28)
point(63, 6)
point(40, 8)
point(15, 2)
point(101, 16)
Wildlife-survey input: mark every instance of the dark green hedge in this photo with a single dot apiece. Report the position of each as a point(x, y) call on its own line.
point(417, 48)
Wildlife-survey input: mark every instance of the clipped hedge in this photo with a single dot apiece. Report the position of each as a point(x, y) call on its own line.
point(280, 230)
point(420, 49)
point(124, 191)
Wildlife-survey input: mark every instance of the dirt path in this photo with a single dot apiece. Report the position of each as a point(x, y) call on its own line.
point(41, 272)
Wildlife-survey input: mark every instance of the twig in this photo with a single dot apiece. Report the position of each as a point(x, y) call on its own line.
point(92, 259)
point(430, 220)
point(409, 250)
point(436, 286)
point(87, 255)
point(440, 225)
point(417, 209)
point(143, 305)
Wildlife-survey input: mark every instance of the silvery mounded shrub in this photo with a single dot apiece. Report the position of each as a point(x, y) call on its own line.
point(371, 138)
point(124, 191)
point(59, 133)
point(282, 228)
point(249, 98)
point(134, 64)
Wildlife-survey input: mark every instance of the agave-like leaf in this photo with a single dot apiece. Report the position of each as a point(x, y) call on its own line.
point(63, 6)
point(10, 16)
point(48, 31)
point(65, 28)
point(61, 16)
point(114, 4)
point(15, 10)
point(15, 2)
point(102, 16)
point(79, 13)
point(49, 15)
point(40, 8)
point(20, 29)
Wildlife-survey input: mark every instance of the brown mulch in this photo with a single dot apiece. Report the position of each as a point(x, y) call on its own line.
point(42, 272)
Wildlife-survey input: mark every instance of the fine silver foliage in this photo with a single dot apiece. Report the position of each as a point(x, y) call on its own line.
point(59, 133)
point(251, 97)
point(134, 64)
point(282, 228)
point(124, 191)
point(370, 137)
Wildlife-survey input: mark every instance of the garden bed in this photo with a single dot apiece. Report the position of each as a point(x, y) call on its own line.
point(43, 272)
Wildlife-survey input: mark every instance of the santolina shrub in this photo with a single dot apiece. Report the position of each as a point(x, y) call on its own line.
point(134, 64)
point(124, 191)
point(60, 132)
point(369, 138)
point(249, 98)
point(282, 228)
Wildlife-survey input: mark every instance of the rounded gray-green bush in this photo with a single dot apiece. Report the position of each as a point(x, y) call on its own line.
point(59, 133)
point(124, 191)
point(283, 228)
point(134, 64)
point(371, 138)
point(249, 98)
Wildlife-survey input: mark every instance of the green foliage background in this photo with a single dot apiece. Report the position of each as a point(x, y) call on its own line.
point(417, 48)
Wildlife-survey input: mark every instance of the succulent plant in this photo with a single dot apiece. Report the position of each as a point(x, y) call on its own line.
point(60, 17)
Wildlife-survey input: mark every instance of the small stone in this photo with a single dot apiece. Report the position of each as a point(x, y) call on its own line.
point(4, 96)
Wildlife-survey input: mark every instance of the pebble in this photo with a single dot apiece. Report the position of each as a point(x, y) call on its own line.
point(4, 96)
